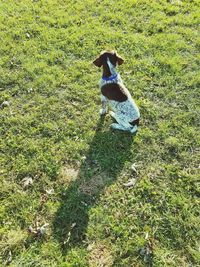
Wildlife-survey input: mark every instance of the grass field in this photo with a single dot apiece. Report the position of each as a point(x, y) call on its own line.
point(63, 199)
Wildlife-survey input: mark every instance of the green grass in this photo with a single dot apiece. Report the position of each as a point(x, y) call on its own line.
point(51, 132)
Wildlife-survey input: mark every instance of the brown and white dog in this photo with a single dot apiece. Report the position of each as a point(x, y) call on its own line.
point(115, 95)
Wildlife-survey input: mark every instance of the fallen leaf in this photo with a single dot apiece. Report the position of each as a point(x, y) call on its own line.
point(133, 168)
point(27, 181)
point(73, 225)
point(38, 230)
point(146, 235)
point(9, 259)
point(50, 191)
point(90, 246)
point(131, 182)
point(43, 229)
point(30, 90)
point(85, 204)
point(5, 104)
point(32, 230)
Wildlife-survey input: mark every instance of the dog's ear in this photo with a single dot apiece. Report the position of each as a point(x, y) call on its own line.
point(98, 62)
point(120, 60)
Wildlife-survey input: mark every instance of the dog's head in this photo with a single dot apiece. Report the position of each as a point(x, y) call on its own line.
point(113, 56)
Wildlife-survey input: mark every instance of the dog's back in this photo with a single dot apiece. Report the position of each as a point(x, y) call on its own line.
point(114, 91)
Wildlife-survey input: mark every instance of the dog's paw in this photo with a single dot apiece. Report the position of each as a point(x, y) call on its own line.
point(134, 129)
point(102, 111)
point(116, 126)
point(112, 114)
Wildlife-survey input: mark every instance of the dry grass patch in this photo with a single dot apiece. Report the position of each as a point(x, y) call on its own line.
point(100, 255)
point(13, 239)
point(95, 184)
point(68, 174)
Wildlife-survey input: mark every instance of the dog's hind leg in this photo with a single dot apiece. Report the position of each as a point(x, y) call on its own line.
point(122, 124)
point(117, 126)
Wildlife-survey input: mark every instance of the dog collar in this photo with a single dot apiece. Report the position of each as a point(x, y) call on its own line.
point(111, 78)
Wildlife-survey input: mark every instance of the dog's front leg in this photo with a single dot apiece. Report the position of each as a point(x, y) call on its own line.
point(112, 114)
point(104, 103)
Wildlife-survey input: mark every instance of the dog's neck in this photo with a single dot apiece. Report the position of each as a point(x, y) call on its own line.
point(109, 69)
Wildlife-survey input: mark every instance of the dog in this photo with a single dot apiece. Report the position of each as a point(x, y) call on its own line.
point(114, 95)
